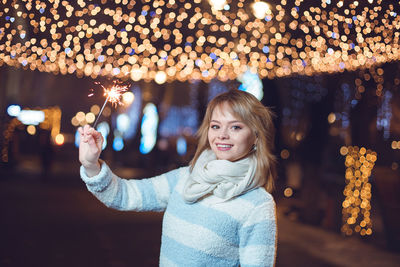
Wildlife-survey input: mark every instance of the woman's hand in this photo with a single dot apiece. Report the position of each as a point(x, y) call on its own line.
point(90, 145)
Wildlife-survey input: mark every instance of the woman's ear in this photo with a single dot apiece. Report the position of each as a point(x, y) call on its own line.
point(254, 146)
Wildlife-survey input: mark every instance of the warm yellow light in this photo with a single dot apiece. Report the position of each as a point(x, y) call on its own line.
point(217, 4)
point(285, 154)
point(95, 109)
point(161, 77)
point(136, 74)
point(127, 98)
point(260, 9)
point(80, 116)
point(356, 206)
point(74, 121)
point(78, 43)
point(90, 117)
point(31, 130)
point(288, 192)
point(59, 140)
point(299, 136)
point(331, 118)
point(344, 150)
point(395, 144)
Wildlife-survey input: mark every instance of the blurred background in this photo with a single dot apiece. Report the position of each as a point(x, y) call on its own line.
point(328, 69)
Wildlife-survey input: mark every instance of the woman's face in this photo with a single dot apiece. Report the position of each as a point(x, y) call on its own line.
point(229, 137)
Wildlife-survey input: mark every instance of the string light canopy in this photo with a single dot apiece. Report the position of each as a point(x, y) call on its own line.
point(166, 40)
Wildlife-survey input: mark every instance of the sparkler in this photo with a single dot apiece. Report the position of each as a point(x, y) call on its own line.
point(113, 95)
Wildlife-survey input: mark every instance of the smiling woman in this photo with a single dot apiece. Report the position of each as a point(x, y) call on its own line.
point(229, 137)
point(251, 127)
point(219, 210)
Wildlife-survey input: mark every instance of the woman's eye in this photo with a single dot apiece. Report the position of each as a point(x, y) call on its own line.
point(236, 127)
point(214, 127)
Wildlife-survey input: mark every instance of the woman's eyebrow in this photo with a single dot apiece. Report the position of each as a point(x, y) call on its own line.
point(229, 122)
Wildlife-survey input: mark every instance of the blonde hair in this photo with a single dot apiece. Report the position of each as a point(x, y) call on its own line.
point(254, 114)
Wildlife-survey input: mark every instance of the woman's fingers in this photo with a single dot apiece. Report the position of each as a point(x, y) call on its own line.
point(90, 136)
point(89, 150)
point(86, 127)
point(86, 132)
point(98, 137)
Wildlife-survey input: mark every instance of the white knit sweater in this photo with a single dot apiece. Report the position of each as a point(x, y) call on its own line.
point(241, 231)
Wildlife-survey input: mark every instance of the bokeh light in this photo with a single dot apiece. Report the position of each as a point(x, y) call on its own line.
point(166, 40)
point(356, 212)
point(60, 139)
point(31, 129)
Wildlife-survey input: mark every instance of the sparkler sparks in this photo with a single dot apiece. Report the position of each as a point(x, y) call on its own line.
point(113, 95)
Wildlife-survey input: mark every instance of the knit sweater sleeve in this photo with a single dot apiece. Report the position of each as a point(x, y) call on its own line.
point(151, 194)
point(258, 237)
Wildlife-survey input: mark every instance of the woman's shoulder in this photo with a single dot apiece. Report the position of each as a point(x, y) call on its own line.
point(258, 196)
point(261, 205)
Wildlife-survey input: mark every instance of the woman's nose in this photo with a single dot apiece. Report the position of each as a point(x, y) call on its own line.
point(223, 134)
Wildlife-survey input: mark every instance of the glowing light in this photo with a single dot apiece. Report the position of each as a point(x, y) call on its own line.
point(60, 139)
point(113, 95)
point(80, 116)
point(90, 117)
point(104, 129)
point(31, 117)
point(331, 118)
point(123, 122)
point(285, 154)
point(344, 150)
point(161, 77)
point(288, 192)
point(127, 98)
point(74, 121)
point(13, 110)
point(77, 138)
point(252, 84)
point(261, 9)
point(31, 129)
point(8, 133)
point(356, 206)
point(395, 144)
point(181, 146)
point(149, 128)
point(118, 143)
point(95, 109)
point(217, 4)
point(136, 74)
point(130, 42)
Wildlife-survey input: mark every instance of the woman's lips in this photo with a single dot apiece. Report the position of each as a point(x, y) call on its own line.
point(224, 147)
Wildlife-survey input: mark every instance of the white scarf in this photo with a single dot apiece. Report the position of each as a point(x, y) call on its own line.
point(221, 178)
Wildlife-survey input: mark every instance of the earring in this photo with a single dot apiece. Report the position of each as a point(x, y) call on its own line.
point(254, 148)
